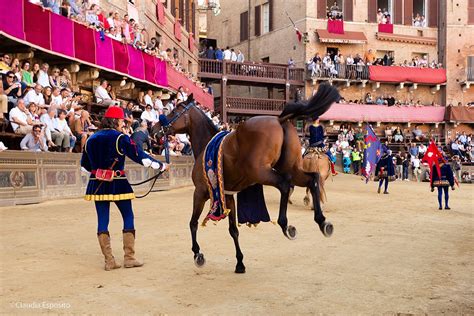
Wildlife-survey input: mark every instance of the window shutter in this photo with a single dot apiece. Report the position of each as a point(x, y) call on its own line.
point(173, 7)
point(372, 13)
point(187, 15)
point(321, 6)
point(470, 12)
point(270, 18)
point(181, 12)
point(258, 22)
point(408, 12)
point(348, 10)
point(244, 26)
point(433, 13)
point(193, 18)
point(398, 12)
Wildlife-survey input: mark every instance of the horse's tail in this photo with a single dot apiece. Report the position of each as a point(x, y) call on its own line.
point(316, 106)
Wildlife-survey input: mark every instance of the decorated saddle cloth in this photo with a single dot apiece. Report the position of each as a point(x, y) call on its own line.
point(214, 174)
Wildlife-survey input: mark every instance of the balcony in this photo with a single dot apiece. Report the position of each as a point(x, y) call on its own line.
point(254, 106)
point(250, 72)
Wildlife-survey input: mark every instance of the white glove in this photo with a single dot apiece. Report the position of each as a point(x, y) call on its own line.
point(147, 162)
point(84, 170)
point(157, 166)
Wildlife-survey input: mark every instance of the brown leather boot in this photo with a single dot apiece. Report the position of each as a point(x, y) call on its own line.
point(104, 242)
point(129, 249)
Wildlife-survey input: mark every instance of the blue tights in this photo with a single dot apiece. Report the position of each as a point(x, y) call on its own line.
point(103, 214)
point(386, 184)
point(440, 196)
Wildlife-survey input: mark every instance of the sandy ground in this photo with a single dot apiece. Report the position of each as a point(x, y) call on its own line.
point(390, 254)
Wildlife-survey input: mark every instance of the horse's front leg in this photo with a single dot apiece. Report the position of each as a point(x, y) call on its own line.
point(234, 232)
point(325, 226)
point(199, 198)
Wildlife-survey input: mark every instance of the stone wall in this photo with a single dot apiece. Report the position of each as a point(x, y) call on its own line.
point(28, 177)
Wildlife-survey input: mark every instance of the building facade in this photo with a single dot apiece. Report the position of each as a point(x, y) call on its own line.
point(265, 30)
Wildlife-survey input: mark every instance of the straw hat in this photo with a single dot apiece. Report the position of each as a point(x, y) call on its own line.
point(165, 96)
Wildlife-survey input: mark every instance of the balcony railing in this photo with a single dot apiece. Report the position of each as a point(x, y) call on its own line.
point(261, 72)
point(254, 106)
point(350, 72)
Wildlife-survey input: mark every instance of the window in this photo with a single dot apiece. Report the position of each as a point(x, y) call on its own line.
point(470, 12)
point(266, 60)
point(244, 26)
point(386, 8)
point(266, 18)
point(470, 68)
point(419, 13)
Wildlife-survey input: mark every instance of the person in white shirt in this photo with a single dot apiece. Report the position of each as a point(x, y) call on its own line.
point(233, 55)
point(34, 96)
point(240, 56)
point(149, 116)
point(158, 106)
point(227, 54)
point(53, 137)
point(102, 96)
point(34, 141)
point(19, 118)
point(56, 99)
point(416, 168)
point(43, 77)
point(181, 96)
point(61, 126)
point(148, 100)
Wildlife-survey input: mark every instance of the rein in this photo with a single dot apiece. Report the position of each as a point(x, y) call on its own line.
point(153, 178)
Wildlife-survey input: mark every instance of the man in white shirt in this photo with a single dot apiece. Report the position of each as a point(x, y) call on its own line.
point(149, 116)
point(43, 78)
point(61, 126)
point(53, 137)
point(20, 120)
point(148, 100)
point(233, 55)
point(227, 53)
point(102, 95)
point(35, 96)
point(158, 106)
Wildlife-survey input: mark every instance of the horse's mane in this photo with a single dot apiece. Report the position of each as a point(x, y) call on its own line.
point(210, 124)
point(316, 106)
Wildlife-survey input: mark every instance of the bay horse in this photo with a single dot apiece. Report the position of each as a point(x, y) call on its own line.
point(262, 150)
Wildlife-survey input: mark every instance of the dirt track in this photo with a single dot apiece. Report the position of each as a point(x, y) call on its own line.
point(389, 254)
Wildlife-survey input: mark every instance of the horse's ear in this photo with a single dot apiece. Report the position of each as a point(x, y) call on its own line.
point(190, 98)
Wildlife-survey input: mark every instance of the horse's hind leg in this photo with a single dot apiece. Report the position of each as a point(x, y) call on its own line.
point(311, 181)
point(306, 199)
point(198, 204)
point(234, 232)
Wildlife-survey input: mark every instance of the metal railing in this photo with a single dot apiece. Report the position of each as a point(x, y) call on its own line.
point(350, 72)
point(264, 106)
point(250, 70)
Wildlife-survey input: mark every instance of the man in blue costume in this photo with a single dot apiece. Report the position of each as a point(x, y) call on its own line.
point(385, 171)
point(104, 157)
point(316, 140)
point(442, 182)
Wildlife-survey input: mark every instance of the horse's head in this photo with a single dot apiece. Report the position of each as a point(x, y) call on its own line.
point(177, 121)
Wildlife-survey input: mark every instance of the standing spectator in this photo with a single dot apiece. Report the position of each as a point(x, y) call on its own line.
point(369, 57)
point(356, 160)
point(399, 165)
point(416, 168)
point(210, 54)
point(233, 55)
point(43, 78)
point(406, 166)
point(413, 151)
point(240, 56)
point(291, 63)
point(34, 141)
point(227, 54)
point(219, 54)
point(11, 88)
point(422, 150)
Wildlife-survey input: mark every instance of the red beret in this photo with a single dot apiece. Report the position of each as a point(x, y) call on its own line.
point(114, 112)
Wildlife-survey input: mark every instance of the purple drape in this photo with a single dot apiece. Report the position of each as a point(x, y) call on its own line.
point(62, 35)
point(36, 23)
point(104, 55)
point(84, 43)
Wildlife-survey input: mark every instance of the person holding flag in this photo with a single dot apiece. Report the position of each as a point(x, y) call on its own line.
point(372, 152)
point(385, 171)
point(441, 175)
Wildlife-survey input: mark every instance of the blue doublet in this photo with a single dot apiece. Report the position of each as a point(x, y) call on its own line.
point(316, 136)
point(100, 152)
point(446, 179)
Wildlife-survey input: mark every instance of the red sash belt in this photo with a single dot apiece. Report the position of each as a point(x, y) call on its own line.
point(117, 173)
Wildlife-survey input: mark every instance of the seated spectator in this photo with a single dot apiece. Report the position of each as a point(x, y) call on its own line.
point(34, 140)
point(3, 106)
point(5, 62)
point(26, 74)
point(35, 96)
point(43, 78)
point(81, 128)
point(20, 119)
point(61, 126)
point(12, 88)
point(149, 116)
point(33, 112)
point(65, 81)
point(54, 78)
point(141, 137)
point(418, 133)
point(48, 95)
point(183, 139)
point(102, 96)
point(148, 97)
point(398, 135)
point(368, 98)
point(53, 138)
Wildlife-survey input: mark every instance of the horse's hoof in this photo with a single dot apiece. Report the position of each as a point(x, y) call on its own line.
point(327, 229)
point(239, 268)
point(199, 260)
point(306, 201)
point(291, 232)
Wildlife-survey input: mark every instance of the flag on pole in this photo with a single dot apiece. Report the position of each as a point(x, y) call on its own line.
point(299, 34)
point(372, 152)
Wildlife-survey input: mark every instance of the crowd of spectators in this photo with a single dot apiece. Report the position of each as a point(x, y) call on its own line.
point(123, 29)
point(333, 65)
point(227, 54)
point(387, 100)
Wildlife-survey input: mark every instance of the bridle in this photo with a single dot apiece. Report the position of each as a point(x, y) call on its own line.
point(165, 128)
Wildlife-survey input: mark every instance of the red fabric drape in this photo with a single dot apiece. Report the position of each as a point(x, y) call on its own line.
point(336, 26)
point(36, 21)
point(386, 28)
point(120, 56)
point(10, 23)
point(407, 74)
point(62, 35)
point(135, 66)
point(84, 43)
